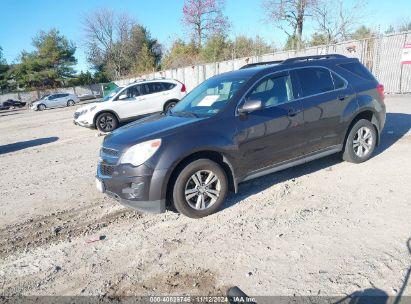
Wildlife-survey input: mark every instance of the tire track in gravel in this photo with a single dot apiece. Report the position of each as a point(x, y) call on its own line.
point(61, 226)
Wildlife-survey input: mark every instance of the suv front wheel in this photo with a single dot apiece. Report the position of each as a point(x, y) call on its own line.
point(200, 189)
point(106, 122)
point(360, 142)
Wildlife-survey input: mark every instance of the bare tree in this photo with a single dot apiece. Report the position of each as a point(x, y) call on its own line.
point(99, 34)
point(404, 24)
point(204, 18)
point(114, 43)
point(335, 21)
point(289, 15)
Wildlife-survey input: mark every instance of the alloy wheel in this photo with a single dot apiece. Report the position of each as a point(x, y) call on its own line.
point(362, 142)
point(106, 123)
point(202, 190)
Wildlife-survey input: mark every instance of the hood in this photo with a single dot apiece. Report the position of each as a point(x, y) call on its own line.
point(151, 127)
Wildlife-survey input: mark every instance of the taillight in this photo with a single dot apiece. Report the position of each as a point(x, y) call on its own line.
point(380, 90)
point(183, 88)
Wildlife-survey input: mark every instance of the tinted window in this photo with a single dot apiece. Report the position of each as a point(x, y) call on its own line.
point(358, 69)
point(273, 91)
point(168, 86)
point(315, 81)
point(153, 87)
point(133, 91)
point(339, 83)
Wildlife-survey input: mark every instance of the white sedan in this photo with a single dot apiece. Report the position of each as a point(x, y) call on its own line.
point(55, 101)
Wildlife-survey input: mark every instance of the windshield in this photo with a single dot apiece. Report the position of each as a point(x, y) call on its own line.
point(210, 97)
point(111, 94)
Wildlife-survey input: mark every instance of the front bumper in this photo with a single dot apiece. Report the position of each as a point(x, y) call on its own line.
point(139, 187)
point(83, 124)
point(83, 120)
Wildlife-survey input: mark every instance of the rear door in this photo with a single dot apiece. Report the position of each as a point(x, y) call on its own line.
point(155, 96)
point(325, 96)
point(275, 133)
point(169, 91)
point(63, 100)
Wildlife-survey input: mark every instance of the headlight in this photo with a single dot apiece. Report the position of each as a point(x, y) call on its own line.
point(138, 154)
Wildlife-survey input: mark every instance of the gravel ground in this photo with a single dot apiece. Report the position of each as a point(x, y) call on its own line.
point(323, 228)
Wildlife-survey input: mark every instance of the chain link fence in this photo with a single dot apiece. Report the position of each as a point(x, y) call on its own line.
point(381, 55)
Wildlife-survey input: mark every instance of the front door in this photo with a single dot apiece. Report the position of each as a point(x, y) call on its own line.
point(130, 102)
point(273, 134)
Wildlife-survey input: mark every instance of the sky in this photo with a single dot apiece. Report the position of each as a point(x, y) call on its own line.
point(22, 19)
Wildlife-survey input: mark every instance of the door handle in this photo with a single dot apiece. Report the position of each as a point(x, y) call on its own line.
point(293, 112)
point(342, 97)
point(166, 93)
point(142, 98)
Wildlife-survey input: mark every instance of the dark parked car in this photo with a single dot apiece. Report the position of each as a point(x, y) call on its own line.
point(241, 125)
point(11, 104)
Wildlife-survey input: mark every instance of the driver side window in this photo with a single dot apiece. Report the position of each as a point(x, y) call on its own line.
point(273, 91)
point(131, 92)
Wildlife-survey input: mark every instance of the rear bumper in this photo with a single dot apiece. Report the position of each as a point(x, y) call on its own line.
point(139, 187)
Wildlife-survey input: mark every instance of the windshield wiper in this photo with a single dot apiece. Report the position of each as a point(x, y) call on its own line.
point(184, 113)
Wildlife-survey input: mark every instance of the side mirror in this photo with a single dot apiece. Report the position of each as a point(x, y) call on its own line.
point(250, 105)
point(122, 97)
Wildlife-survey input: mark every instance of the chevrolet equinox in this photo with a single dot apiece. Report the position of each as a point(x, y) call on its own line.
point(241, 125)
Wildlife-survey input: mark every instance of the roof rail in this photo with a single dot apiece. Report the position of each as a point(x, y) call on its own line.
point(328, 56)
point(251, 65)
point(292, 60)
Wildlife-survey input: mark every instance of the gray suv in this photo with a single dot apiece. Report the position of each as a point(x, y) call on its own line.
point(241, 125)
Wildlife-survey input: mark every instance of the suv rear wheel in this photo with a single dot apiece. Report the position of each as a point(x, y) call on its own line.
point(169, 105)
point(200, 189)
point(360, 142)
point(106, 122)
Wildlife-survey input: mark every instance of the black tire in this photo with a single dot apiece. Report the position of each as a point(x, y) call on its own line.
point(106, 122)
point(356, 137)
point(41, 107)
point(169, 105)
point(70, 103)
point(184, 180)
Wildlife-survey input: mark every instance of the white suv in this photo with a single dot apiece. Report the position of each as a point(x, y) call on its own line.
point(134, 100)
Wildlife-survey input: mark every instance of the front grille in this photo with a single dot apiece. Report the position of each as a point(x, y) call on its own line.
point(110, 152)
point(106, 170)
point(76, 115)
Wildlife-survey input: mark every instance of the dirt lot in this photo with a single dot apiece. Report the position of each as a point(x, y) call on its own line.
point(324, 228)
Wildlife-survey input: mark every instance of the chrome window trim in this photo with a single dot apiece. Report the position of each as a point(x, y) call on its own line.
point(295, 99)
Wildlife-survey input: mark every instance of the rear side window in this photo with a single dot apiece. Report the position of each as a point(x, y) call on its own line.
point(358, 69)
point(315, 81)
point(168, 85)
